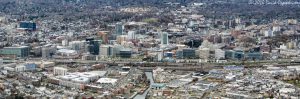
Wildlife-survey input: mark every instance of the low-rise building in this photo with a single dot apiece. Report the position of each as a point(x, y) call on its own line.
point(60, 71)
point(20, 51)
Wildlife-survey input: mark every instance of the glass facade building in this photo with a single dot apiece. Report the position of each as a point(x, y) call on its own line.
point(27, 25)
point(22, 51)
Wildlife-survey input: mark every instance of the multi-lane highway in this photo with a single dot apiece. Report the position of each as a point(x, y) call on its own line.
point(164, 64)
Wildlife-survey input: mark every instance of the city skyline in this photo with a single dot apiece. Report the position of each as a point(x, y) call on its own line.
point(149, 49)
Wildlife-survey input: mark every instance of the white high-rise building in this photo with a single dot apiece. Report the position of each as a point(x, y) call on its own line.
point(219, 54)
point(276, 28)
point(238, 20)
point(106, 51)
point(164, 38)
point(60, 71)
point(159, 56)
point(65, 42)
point(77, 45)
point(131, 35)
point(268, 33)
point(204, 53)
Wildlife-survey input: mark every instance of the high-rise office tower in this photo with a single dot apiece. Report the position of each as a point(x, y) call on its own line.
point(94, 46)
point(107, 50)
point(164, 38)
point(131, 35)
point(119, 28)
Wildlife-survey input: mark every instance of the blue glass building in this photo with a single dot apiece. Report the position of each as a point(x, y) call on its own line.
point(27, 25)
